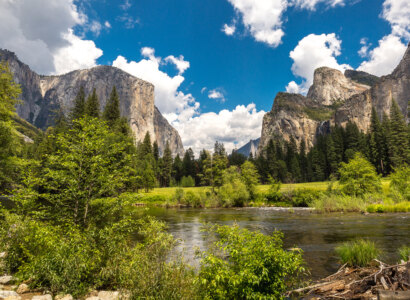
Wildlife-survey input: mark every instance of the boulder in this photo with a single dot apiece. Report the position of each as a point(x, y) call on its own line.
point(13, 298)
point(109, 295)
point(92, 298)
point(23, 288)
point(5, 294)
point(6, 279)
point(63, 297)
point(42, 297)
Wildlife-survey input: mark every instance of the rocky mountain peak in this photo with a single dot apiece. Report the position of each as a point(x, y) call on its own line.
point(330, 86)
point(43, 95)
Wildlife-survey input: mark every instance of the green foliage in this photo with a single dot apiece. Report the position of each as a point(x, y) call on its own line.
point(359, 253)
point(78, 110)
point(89, 165)
point(274, 194)
point(234, 191)
point(303, 197)
point(359, 177)
point(92, 106)
point(398, 137)
point(339, 202)
point(400, 184)
point(247, 265)
point(187, 181)
point(318, 114)
point(250, 177)
point(111, 112)
point(389, 208)
point(404, 253)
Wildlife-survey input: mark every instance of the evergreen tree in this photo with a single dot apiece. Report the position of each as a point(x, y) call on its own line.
point(78, 110)
point(146, 146)
point(92, 106)
point(155, 150)
point(303, 161)
point(377, 141)
point(166, 169)
point(398, 137)
point(188, 164)
point(331, 158)
point(177, 167)
point(111, 112)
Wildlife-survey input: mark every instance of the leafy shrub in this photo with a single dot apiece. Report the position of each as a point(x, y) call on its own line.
point(179, 195)
point(303, 197)
point(233, 192)
point(357, 253)
point(400, 184)
point(274, 194)
point(187, 181)
point(404, 253)
point(247, 265)
point(359, 177)
point(385, 207)
point(339, 202)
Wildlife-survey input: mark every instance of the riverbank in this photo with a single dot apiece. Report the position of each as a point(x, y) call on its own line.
point(321, 196)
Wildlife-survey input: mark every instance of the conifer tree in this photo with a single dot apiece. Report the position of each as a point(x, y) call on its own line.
point(303, 161)
point(398, 137)
point(92, 106)
point(177, 168)
point(112, 108)
point(146, 147)
point(166, 169)
point(378, 147)
point(78, 110)
point(331, 156)
point(155, 150)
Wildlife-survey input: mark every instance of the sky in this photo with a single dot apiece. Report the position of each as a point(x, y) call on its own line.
point(217, 64)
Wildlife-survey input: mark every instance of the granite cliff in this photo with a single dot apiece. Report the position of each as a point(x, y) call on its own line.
point(335, 99)
point(43, 95)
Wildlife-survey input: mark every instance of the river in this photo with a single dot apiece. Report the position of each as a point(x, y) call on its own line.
point(316, 234)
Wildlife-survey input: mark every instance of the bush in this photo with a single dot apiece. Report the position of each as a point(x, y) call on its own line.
point(400, 184)
point(359, 177)
point(247, 265)
point(303, 197)
point(358, 253)
point(339, 202)
point(274, 194)
point(187, 181)
point(404, 253)
point(233, 192)
point(385, 207)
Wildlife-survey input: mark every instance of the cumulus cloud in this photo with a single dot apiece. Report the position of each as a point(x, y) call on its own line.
point(263, 19)
point(107, 24)
point(169, 100)
point(293, 87)
point(229, 29)
point(314, 51)
point(95, 27)
point(38, 31)
point(232, 128)
point(385, 57)
point(397, 13)
point(216, 94)
point(363, 52)
point(179, 62)
point(203, 89)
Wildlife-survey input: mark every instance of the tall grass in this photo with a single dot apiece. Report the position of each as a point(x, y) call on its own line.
point(357, 253)
point(404, 253)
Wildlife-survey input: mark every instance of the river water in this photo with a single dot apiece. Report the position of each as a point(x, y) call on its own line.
point(316, 234)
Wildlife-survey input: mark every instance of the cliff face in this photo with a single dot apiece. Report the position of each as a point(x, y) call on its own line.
point(43, 95)
point(356, 93)
point(330, 86)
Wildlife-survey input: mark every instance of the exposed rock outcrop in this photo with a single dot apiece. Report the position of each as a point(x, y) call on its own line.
point(293, 115)
point(330, 86)
point(249, 148)
point(306, 117)
point(42, 96)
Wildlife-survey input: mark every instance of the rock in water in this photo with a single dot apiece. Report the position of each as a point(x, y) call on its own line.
point(43, 95)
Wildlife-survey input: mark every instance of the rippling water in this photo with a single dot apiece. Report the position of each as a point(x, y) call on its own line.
point(316, 234)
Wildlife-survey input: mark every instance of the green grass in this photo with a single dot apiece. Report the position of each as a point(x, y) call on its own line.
point(389, 207)
point(404, 253)
point(358, 253)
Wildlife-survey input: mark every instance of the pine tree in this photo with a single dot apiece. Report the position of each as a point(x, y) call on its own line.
point(331, 158)
point(146, 147)
point(166, 169)
point(92, 106)
point(188, 163)
point(177, 168)
point(78, 110)
point(155, 150)
point(303, 161)
point(398, 137)
point(377, 143)
point(112, 108)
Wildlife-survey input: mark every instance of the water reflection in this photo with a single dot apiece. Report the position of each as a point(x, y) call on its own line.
point(316, 234)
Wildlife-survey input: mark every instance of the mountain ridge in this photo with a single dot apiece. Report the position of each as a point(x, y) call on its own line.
point(42, 95)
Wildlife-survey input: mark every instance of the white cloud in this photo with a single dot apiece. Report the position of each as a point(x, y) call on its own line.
point(203, 89)
point(179, 62)
point(95, 27)
point(363, 52)
point(311, 4)
point(169, 100)
point(397, 13)
point(233, 128)
point(216, 94)
point(38, 31)
point(107, 24)
point(229, 29)
point(263, 19)
point(126, 5)
point(384, 58)
point(293, 87)
point(314, 51)
point(80, 54)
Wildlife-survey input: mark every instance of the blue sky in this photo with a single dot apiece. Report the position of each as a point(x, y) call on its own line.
point(217, 64)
